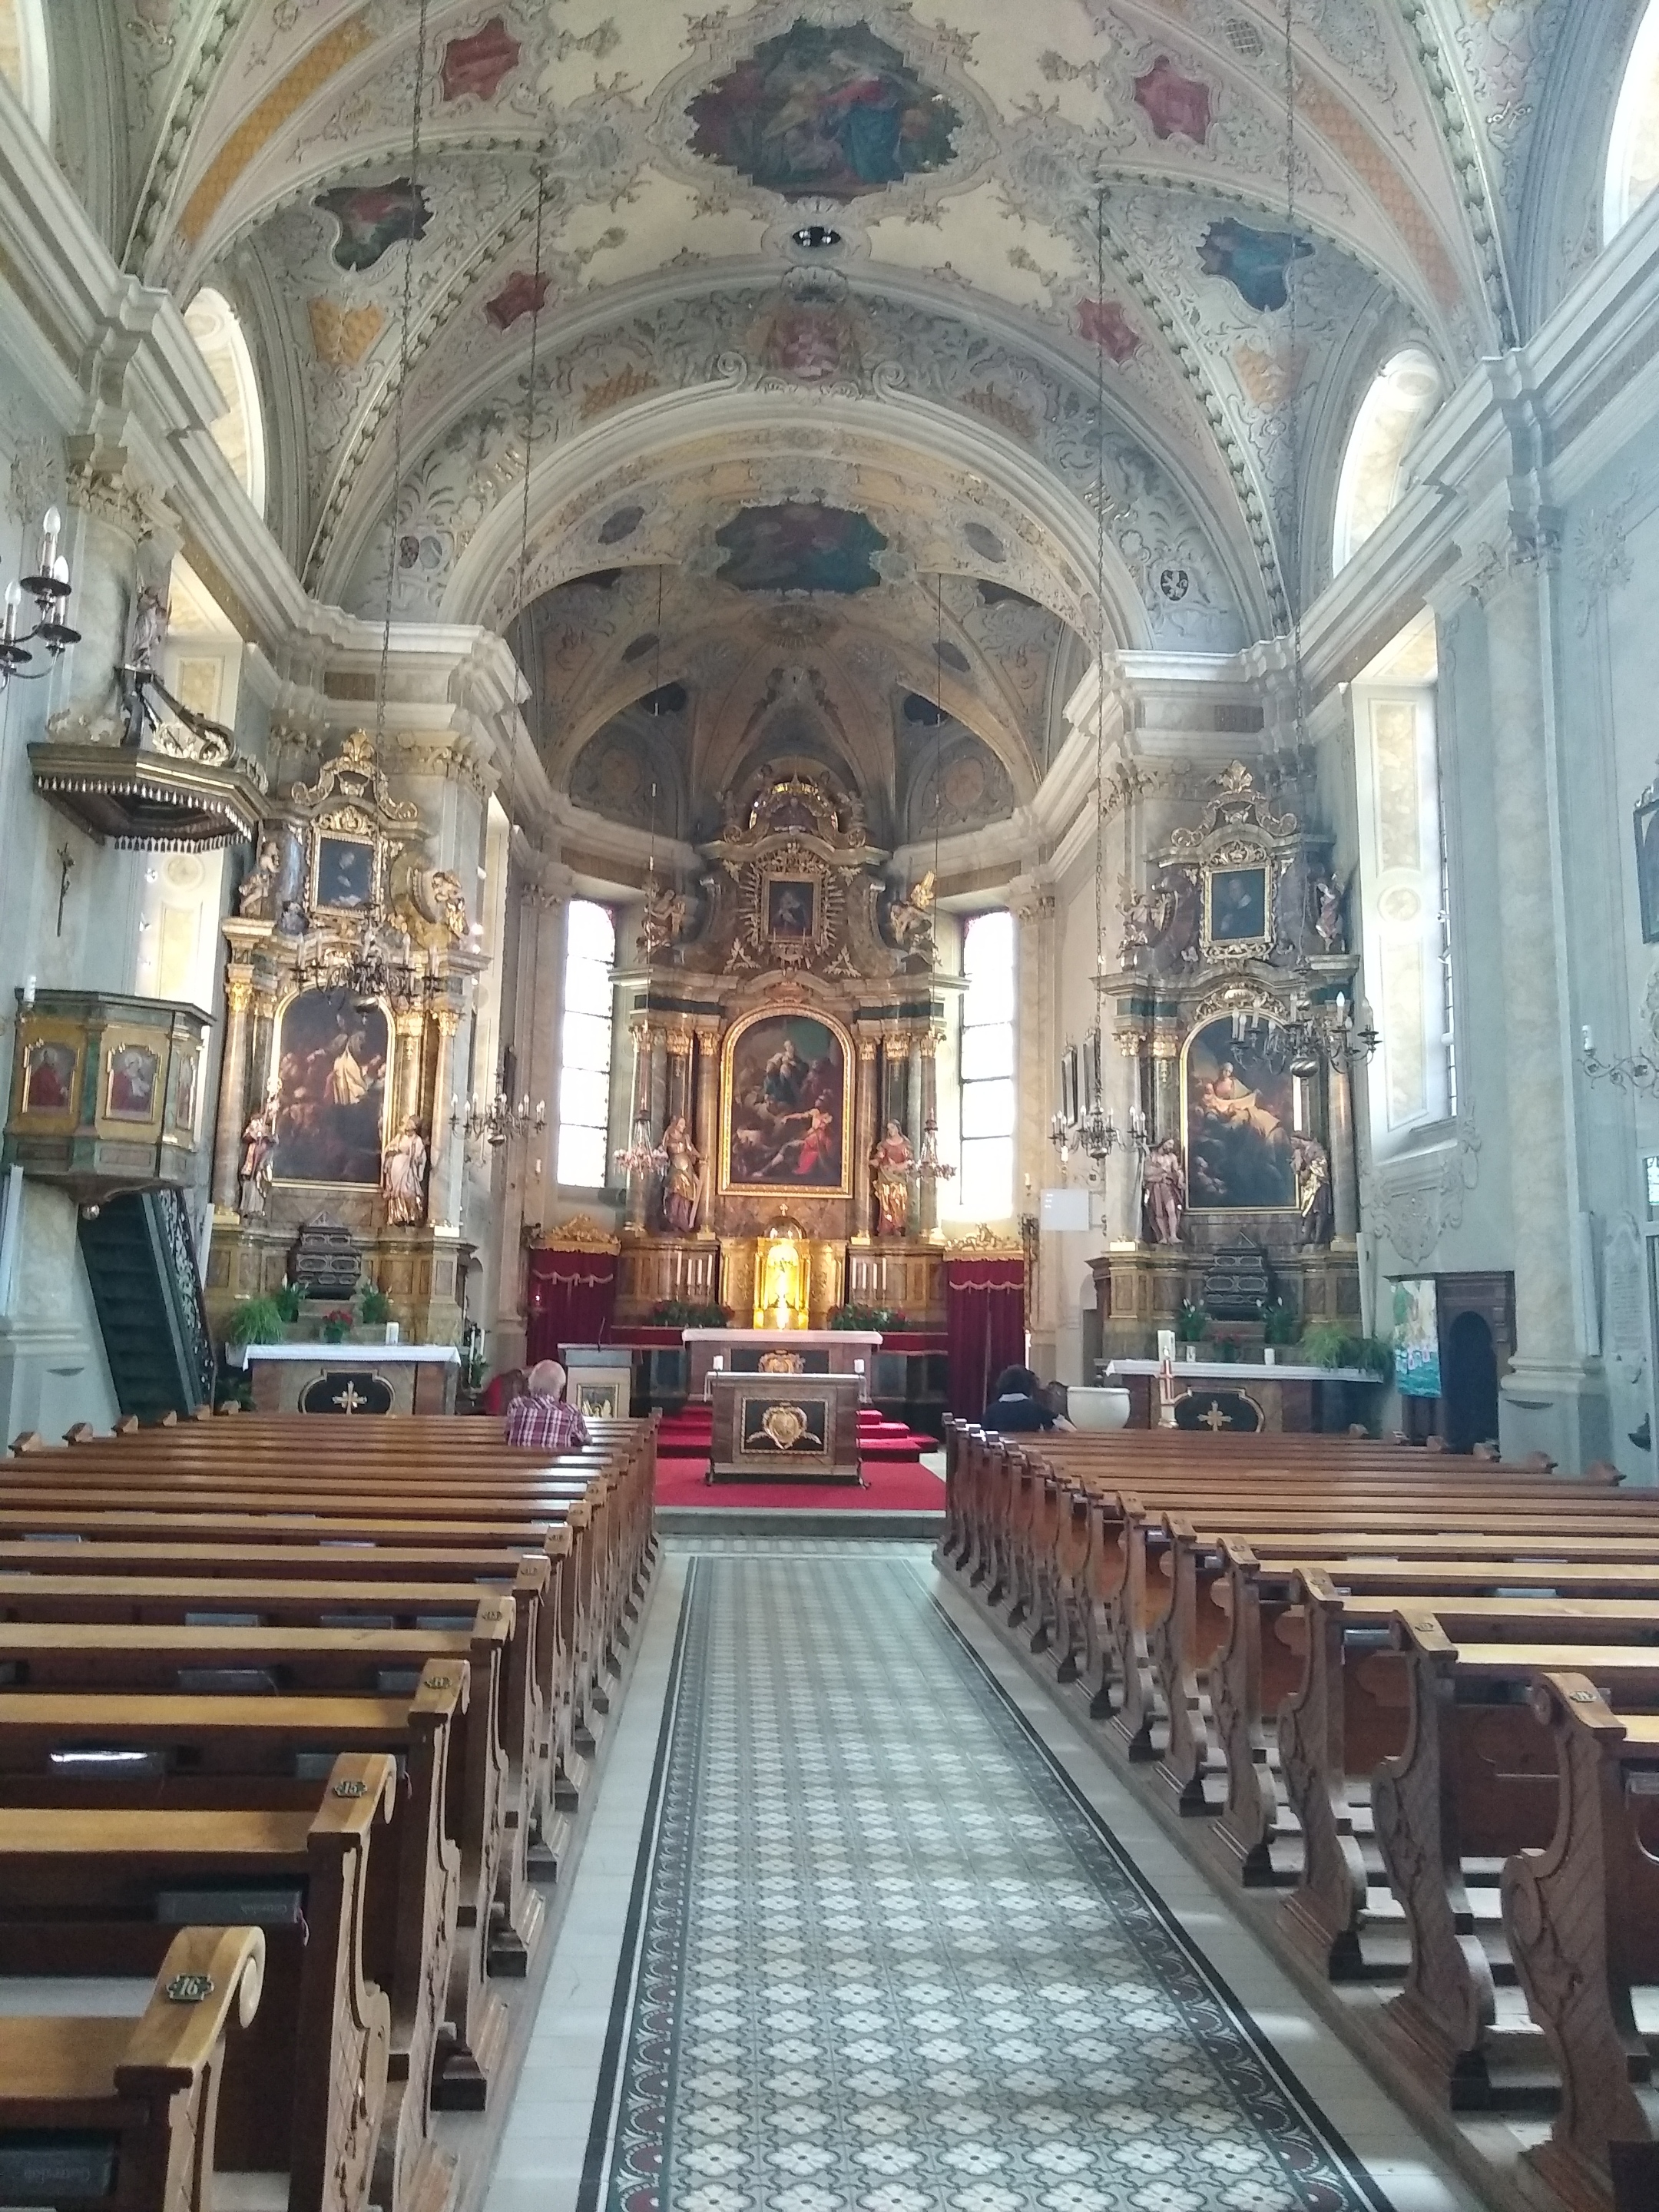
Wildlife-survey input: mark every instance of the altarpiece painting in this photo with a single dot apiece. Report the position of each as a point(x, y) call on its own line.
point(786, 1107)
point(331, 1075)
point(1240, 1117)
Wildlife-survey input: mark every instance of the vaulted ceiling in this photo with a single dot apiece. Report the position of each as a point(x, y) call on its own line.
point(809, 258)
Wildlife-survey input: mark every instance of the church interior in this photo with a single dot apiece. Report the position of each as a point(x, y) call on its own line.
point(829, 1199)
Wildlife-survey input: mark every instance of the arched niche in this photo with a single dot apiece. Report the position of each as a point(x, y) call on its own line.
point(240, 432)
point(1402, 396)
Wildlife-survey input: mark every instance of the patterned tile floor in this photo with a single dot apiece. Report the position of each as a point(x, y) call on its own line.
point(879, 1953)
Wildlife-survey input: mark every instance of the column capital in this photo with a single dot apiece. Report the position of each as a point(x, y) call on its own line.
point(679, 1042)
point(239, 989)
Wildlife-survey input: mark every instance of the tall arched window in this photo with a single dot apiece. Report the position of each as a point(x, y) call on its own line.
point(23, 58)
point(1633, 149)
point(1403, 395)
point(240, 432)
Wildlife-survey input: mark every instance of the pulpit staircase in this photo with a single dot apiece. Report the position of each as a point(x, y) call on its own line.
point(141, 1263)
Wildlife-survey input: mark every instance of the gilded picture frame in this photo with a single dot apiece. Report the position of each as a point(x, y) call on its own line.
point(764, 1139)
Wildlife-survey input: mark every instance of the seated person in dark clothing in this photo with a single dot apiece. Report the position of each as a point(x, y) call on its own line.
point(1020, 1404)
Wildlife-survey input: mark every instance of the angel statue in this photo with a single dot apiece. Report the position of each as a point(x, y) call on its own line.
point(662, 920)
point(1328, 897)
point(908, 919)
point(1145, 917)
point(256, 894)
point(147, 629)
point(402, 1177)
point(259, 1149)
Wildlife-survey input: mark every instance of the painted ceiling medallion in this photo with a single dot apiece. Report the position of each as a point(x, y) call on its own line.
point(799, 546)
point(824, 112)
point(521, 294)
point(1253, 261)
point(372, 217)
point(1173, 102)
point(478, 65)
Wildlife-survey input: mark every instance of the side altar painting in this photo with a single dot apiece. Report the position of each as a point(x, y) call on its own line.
point(787, 1107)
point(331, 1087)
point(1240, 1117)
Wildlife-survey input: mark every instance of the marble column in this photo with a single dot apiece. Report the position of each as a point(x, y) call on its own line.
point(644, 1035)
point(1549, 1400)
point(709, 1105)
point(679, 1099)
point(912, 1108)
point(659, 1094)
point(1166, 1090)
point(410, 1027)
point(232, 1089)
point(1345, 1181)
point(440, 1182)
point(865, 1130)
point(927, 1188)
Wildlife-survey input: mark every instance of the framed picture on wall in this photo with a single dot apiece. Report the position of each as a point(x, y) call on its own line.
point(1069, 1110)
point(1647, 863)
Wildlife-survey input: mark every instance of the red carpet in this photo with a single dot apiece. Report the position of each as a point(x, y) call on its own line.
point(890, 1458)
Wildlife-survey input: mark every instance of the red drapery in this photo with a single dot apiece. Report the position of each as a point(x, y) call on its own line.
point(570, 1300)
point(984, 1327)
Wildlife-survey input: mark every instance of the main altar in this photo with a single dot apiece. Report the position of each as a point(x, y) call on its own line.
point(785, 1023)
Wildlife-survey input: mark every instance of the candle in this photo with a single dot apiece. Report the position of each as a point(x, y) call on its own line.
point(51, 524)
point(1589, 1042)
point(29, 990)
point(14, 601)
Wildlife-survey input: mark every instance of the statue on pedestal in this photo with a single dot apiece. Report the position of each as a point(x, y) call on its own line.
point(662, 920)
point(682, 1178)
point(1163, 1193)
point(258, 1148)
point(782, 1300)
point(402, 1177)
point(1313, 1188)
point(891, 1162)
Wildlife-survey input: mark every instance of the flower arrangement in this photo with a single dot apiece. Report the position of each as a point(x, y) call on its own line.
point(1279, 1322)
point(853, 1315)
point(681, 1313)
point(337, 1324)
point(1192, 1324)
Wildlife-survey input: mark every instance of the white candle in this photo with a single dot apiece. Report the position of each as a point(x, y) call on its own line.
point(14, 601)
point(1589, 1042)
point(51, 526)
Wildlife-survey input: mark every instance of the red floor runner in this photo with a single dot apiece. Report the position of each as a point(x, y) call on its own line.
point(888, 1489)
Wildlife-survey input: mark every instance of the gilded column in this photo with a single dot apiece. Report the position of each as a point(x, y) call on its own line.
point(928, 1189)
point(892, 1106)
point(708, 1105)
point(233, 1088)
point(912, 1108)
point(865, 1131)
point(439, 1199)
point(659, 1098)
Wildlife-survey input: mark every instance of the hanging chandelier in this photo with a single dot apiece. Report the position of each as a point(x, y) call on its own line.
point(488, 1125)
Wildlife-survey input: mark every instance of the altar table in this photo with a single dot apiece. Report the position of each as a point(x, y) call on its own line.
point(352, 1378)
point(1221, 1394)
point(740, 1352)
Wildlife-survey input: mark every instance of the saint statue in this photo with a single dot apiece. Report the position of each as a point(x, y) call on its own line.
point(1328, 913)
point(1163, 1193)
point(781, 1281)
point(258, 1147)
point(891, 1162)
point(402, 1177)
point(256, 894)
point(1313, 1188)
point(682, 1178)
point(662, 920)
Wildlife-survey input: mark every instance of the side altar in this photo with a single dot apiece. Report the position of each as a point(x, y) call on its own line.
point(1231, 1006)
point(783, 1159)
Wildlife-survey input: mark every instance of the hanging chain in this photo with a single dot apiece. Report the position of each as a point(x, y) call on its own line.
point(403, 374)
point(1100, 600)
point(938, 709)
point(1293, 391)
point(524, 512)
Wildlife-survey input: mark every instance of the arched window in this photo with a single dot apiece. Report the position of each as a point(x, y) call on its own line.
point(23, 59)
point(1404, 394)
point(1633, 149)
point(240, 432)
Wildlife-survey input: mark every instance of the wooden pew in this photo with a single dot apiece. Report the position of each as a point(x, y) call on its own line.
point(129, 2109)
point(1582, 1915)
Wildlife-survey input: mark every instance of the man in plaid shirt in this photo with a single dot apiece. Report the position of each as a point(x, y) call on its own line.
point(541, 1420)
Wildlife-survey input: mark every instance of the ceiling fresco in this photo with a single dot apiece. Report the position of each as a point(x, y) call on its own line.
point(806, 256)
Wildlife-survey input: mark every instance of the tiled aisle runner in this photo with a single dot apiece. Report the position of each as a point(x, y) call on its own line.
point(888, 1962)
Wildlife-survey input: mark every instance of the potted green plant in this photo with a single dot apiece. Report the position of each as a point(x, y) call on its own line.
point(852, 1316)
point(255, 1321)
point(1278, 1328)
point(374, 1313)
